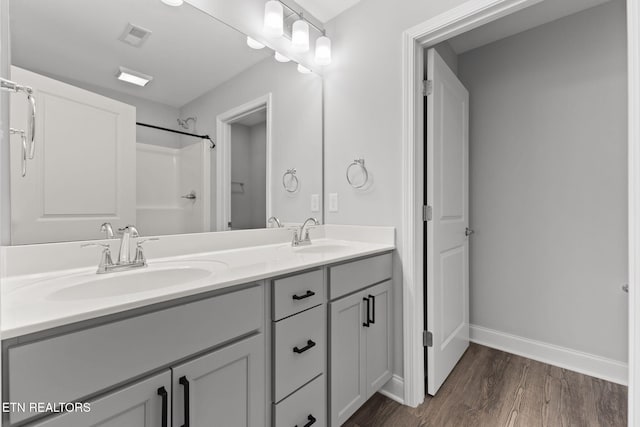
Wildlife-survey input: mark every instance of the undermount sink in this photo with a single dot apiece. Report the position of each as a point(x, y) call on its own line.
point(153, 277)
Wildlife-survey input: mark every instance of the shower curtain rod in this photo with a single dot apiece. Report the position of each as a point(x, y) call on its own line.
point(213, 144)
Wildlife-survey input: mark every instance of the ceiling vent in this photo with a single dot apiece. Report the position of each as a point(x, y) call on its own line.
point(134, 35)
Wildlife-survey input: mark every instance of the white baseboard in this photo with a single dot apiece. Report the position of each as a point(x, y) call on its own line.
point(394, 389)
point(585, 363)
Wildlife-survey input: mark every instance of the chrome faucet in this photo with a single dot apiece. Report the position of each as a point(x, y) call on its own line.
point(298, 240)
point(274, 219)
point(124, 257)
point(107, 229)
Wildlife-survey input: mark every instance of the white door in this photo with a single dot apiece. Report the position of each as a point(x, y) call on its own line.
point(447, 176)
point(83, 172)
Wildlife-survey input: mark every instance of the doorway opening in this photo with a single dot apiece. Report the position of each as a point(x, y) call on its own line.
point(573, 172)
point(248, 171)
point(243, 197)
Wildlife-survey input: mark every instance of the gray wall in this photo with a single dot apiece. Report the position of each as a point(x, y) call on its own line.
point(363, 118)
point(296, 129)
point(549, 182)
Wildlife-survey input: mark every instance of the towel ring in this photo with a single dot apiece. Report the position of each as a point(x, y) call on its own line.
point(359, 163)
point(293, 184)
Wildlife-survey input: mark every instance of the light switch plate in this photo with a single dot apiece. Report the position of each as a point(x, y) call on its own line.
point(315, 203)
point(333, 202)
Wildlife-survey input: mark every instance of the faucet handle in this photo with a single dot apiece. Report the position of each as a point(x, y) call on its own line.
point(105, 260)
point(140, 242)
point(103, 245)
point(140, 258)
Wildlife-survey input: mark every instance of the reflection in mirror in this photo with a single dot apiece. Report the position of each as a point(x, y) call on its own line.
point(157, 116)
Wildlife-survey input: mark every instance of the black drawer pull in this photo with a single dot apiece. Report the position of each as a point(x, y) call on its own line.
point(185, 383)
point(310, 345)
point(312, 421)
point(366, 324)
point(307, 295)
point(165, 405)
point(373, 309)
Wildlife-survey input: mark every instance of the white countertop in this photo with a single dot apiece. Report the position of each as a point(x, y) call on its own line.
point(29, 302)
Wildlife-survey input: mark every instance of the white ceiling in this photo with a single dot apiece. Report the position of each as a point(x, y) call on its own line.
point(523, 20)
point(326, 10)
point(188, 53)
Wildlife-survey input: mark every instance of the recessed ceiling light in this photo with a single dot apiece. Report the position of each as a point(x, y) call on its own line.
point(173, 2)
point(254, 44)
point(281, 58)
point(133, 77)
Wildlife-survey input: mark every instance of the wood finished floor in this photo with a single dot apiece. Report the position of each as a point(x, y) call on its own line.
point(494, 389)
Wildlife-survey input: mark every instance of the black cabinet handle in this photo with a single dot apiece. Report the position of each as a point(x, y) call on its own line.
point(310, 344)
point(366, 324)
point(185, 383)
point(165, 405)
point(372, 320)
point(307, 295)
point(312, 421)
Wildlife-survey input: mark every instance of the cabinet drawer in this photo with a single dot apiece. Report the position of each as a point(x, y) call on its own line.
point(294, 294)
point(303, 406)
point(347, 278)
point(298, 351)
point(69, 367)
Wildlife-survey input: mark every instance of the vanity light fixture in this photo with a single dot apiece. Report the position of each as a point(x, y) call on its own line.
point(273, 18)
point(133, 77)
point(281, 58)
point(302, 69)
point(323, 50)
point(254, 44)
point(174, 3)
point(300, 35)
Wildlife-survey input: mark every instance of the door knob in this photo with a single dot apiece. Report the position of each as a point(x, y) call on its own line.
point(625, 288)
point(468, 232)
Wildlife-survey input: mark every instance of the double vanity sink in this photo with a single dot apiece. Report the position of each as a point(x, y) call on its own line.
point(160, 275)
point(192, 317)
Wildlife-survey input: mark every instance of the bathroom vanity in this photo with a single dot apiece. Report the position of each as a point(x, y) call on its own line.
point(275, 335)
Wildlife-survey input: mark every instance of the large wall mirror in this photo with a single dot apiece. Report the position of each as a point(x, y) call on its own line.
point(157, 116)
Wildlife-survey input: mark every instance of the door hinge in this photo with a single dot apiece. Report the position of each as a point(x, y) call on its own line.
point(427, 87)
point(427, 339)
point(427, 213)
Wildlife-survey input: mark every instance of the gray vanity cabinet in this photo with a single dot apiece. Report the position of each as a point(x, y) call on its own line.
point(347, 358)
point(360, 333)
point(146, 403)
point(360, 349)
point(222, 388)
point(378, 338)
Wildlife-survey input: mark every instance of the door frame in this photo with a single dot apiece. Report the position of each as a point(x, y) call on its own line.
point(223, 156)
point(465, 17)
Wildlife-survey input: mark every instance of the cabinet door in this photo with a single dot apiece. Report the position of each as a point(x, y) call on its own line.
point(143, 404)
point(223, 388)
point(378, 342)
point(348, 386)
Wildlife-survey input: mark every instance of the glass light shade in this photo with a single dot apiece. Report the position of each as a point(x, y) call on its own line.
point(273, 18)
point(302, 69)
point(300, 36)
point(323, 50)
point(254, 44)
point(281, 58)
point(173, 2)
